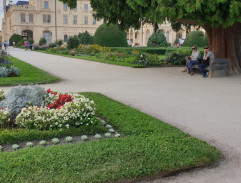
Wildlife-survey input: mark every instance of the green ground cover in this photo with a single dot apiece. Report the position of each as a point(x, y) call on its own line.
point(28, 74)
point(149, 147)
point(93, 58)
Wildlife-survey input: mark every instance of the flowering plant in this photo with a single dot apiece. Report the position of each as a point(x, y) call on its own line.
point(68, 110)
point(2, 96)
point(4, 117)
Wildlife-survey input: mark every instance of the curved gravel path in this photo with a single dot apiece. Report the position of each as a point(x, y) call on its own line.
point(209, 109)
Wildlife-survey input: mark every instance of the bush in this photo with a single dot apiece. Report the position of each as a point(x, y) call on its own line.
point(157, 39)
point(115, 56)
point(3, 72)
point(42, 41)
point(110, 36)
point(85, 38)
point(31, 40)
point(177, 57)
point(13, 72)
point(72, 52)
point(147, 59)
point(196, 38)
point(15, 38)
point(73, 42)
point(52, 45)
point(59, 42)
point(20, 43)
point(22, 96)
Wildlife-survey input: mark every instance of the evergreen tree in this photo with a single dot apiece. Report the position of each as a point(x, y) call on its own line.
point(157, 39)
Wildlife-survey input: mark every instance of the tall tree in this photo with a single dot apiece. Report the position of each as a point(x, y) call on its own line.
point(221, 20)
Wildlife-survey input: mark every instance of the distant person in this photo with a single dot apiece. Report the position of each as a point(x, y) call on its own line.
point(26, 45)
point(204, 62)
point(5, 45)
point(13, 44)
point(193, 60)
point(31, 46)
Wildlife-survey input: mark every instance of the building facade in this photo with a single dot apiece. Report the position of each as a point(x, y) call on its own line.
point(54, 20)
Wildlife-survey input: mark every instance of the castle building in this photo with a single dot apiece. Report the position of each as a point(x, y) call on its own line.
point(54, 20)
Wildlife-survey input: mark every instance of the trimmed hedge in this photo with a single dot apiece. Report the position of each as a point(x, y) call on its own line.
point(156, 50)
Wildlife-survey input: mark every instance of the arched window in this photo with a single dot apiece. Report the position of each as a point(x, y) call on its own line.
point(65, 38)
point(167, 36)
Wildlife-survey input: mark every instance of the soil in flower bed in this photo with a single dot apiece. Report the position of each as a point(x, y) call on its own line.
point(62, 141)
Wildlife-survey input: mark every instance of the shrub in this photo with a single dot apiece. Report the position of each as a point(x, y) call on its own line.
point(93, 49)
point(3, 72)
point(81, 48)
point(110, 36)
point(2, 96)
point(31, 40)
point(20, 43)
point(59, 42)
point(177, 57)
point(22, 96)
point(4, 117)
point(196, 38)
point(52, 45)
point(147, 59)
point(15, 38)
point(42, 41)
point(157, 39)
point(115, 56)
point(13, 72)
point(85, 38)
point(72, 52)
point(73, 42)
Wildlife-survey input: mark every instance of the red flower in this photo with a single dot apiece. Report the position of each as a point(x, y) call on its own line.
point(60, 101)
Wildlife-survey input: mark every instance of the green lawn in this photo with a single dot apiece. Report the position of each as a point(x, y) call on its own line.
point(93, 58)
point(149, 147)
point(28, 74)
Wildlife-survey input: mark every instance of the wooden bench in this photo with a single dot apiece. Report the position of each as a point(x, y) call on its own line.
point(217, 67)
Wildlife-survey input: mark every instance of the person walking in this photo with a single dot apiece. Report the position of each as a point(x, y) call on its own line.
point(26, 45)
point(31, 46)
point(208, 55)
point(13, 44)
point(193, 60)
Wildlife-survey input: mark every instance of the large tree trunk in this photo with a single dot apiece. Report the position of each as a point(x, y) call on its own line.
point(226, 43)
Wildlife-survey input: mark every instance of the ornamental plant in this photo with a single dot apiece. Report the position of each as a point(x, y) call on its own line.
point(84, 137)
point(43, 143)
point(4, 117)
point(1, 148)
point(15, 146)
point(107, 134)
point(2, 96)
point(69, 139)
point(97, 136)
point(55, 140)
point(29, 144)
point(60, 111)
point(111, 130)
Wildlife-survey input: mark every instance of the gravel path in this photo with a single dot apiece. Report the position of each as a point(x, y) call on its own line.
point(209, 109)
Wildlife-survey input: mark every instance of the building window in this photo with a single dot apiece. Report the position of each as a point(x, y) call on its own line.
point(49, 18)
point(44, 18)
point(94, 21)
point(75, 20)
point(86, 7)
point(48, 36)
point(22, 17)
point(30, 17)
point(65, 6)
point(86, 20)
point(46, 4)
point(65, 38)
point(65, 19)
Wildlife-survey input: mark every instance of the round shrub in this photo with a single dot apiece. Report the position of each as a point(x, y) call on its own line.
point(85, 38)
point(73, 42)
point(13, 72)
point(3, 72)
point(15, 38)
point(42, 41)
point(59, 42)
point(110, 36)
point(52, 45)
point(196, 38)
point(177, 57)
point(157, 39)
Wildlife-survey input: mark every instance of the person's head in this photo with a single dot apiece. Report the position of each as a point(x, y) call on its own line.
point(194, 48)
point(206, 49)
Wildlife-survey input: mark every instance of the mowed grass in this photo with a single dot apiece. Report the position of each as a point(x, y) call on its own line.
point(28, 75)
point(95, 59)
point(149, 147)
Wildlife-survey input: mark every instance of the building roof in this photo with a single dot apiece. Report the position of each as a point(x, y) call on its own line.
point(22, 3)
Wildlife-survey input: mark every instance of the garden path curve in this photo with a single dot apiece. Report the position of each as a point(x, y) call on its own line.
point(209, 109)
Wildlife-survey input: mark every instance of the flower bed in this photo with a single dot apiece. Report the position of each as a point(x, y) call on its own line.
point(57, 110)
point(7, 68)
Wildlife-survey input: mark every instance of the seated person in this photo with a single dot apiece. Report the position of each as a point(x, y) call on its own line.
point(193, 60)
point(204, 62)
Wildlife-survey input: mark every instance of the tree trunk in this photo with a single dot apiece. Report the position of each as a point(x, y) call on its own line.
point(226, 43)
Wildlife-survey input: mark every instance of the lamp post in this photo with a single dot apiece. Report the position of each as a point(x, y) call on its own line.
point(55, 21)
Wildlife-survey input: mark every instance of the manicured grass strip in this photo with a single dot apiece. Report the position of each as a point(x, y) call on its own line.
point(149, 148)
point(93, 58)
point(19, 135)
point(28, 74)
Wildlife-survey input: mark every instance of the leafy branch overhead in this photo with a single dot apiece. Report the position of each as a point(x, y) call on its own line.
point(132, 13)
